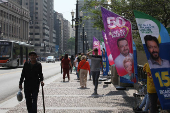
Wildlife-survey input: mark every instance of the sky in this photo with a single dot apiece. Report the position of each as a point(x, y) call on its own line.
point(65, 7)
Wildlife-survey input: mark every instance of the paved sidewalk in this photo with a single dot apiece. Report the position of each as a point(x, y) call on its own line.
point(67, 97)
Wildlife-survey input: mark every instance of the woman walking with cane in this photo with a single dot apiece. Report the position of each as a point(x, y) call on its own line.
point(83, 67)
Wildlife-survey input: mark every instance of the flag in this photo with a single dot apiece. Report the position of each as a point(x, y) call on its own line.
point(110, 58)
point(119, 36)
point(96, 44)
point(156, 43)
point(135, 60)
point(2, 1)
point(102, 45)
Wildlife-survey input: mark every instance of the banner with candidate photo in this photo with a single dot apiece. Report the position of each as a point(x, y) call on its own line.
point(96, 44)
point(109, 55)
point(119, 37)
point(156, 42)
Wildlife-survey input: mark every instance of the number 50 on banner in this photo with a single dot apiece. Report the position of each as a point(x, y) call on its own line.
point(162, 77)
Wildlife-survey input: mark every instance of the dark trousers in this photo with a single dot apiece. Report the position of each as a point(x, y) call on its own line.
point(61, 69)
point(95, 75)
point(31, 97)
point(153, 97)
point(66, 71)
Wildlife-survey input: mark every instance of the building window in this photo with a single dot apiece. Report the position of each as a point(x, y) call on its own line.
point(36, 3)
point(26, 3)
point(37, 39)
point(36, 8)
point(37, 33)
point(37, 27)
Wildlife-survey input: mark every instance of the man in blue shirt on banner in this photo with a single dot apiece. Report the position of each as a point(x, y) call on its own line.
point(155, 61)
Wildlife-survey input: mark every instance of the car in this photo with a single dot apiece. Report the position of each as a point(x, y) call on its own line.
point(50, 59)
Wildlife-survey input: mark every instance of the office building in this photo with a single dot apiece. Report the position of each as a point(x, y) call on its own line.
point(14, 21)
point(42, 34)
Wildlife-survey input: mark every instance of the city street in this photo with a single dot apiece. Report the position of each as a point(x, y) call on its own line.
point(9, 78)
point(68, 97)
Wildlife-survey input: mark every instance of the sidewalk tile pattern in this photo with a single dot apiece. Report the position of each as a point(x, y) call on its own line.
point(67, 97)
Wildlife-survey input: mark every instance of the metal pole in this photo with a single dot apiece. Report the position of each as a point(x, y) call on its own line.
point(43, 99)
point(76, 27)
point(0, 32)
point(83, 38)
point(8, 21)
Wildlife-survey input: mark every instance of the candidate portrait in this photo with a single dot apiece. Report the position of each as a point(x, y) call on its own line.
point(155, 61)
point(123, 47)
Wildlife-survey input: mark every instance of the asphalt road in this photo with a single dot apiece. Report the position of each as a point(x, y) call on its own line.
point(9, 78)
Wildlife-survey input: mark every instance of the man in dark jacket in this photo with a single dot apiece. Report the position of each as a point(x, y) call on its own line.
point(31, 76)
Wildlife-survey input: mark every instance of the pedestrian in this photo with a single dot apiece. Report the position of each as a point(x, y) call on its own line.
point(72, 61)
point(145, 102)
point(66, 63)
point(89, 60)
point(60, 63)
point(78, 60)
point(153, 97)
point(32, 76)
point(96, 63)
point(83, 67)
point(76, 66)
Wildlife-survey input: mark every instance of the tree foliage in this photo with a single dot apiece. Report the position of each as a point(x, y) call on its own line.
point(71, 44)
point(159, 9)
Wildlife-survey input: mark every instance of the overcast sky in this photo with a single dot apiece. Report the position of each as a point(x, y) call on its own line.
point(65, 7)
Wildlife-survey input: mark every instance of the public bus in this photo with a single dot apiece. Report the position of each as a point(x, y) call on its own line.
point(14, 53)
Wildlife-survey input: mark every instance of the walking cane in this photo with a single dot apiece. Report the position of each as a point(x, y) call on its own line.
point(43, 99)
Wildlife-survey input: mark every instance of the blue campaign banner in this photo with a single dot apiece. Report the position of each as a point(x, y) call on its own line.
point(156, 43)
point(135, 60)
point(105, 64)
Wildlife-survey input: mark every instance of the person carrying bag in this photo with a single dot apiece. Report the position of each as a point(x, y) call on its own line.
point(83, 68)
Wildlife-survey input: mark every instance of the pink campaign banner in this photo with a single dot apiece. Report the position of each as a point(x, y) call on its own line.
point(109, 55)
point(96, 44)
point(119, 37)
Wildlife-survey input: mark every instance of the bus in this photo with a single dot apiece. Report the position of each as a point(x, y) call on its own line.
point(14, 53)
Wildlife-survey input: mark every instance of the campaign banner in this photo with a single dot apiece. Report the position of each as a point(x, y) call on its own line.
point(102, 45)
point(156, 43)
point(119, 36)
point(96, 44)
point(135, 60)
point(105, 63)
point(110, 58)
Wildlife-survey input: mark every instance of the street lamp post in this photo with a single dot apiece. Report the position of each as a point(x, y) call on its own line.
point(87, 45)
point(76, 25)
point(1, 34)
point(84, 37)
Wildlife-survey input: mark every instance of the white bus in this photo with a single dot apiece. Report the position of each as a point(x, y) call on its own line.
point(14, 53)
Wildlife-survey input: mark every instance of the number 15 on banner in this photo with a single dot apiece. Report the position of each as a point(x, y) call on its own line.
point(163, 77)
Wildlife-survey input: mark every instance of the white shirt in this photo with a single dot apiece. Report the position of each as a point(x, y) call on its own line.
point(119, 60)
point(76, 62)
point(89, 60)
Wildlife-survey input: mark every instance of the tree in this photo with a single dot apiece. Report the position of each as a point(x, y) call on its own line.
point(159, 9)
point(71, 44)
